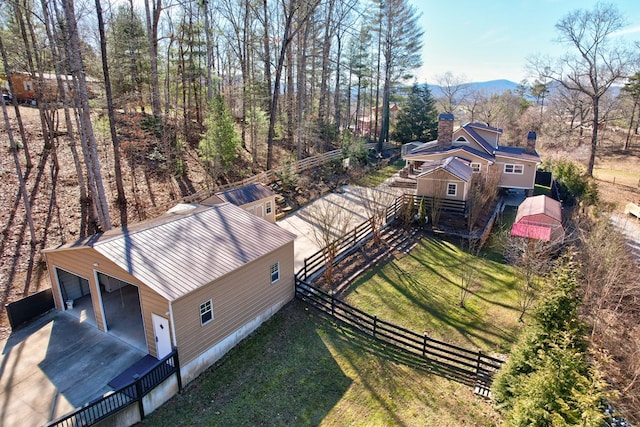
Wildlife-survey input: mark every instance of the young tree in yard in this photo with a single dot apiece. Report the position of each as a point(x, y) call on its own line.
point(330, 222)
point(220, 142)
point(375, 202)
point(532, 259)
point(596, 63)
point(482, 194)
point(418, 119)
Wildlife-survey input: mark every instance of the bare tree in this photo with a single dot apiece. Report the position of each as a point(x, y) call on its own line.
point(483, 193)
point(330, 222)
point(533, 259)
point(596, 62)
point(454, 90)
point(375, 202)
point(122, 199)
point(153, 12)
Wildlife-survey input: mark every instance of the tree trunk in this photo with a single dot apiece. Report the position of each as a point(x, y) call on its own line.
point(16, 160)
point(594, 135)
point(627, 142)
point(122, 199)
point(82, 99)
point(153, 18)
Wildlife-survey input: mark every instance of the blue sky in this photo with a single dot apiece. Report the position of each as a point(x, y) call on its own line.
point(490, 40)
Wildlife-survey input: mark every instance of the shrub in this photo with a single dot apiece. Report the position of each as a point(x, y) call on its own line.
point(547, 380)
point(575, 185)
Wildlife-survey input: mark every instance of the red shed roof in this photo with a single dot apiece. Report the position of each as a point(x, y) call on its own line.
point(531, 231)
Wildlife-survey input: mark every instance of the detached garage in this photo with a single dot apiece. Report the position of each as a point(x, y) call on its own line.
point(197, 278)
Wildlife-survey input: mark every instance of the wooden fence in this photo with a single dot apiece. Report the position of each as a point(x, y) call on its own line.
point(107, 406)
point(343, 246)
point(270, 176)
point(471, 367)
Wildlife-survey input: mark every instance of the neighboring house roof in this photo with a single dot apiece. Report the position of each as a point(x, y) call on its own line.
point(176, 254)
point(241, 196)
point(540, 205)
point(455, 166)
point(517, 153)
point(51, 76)
point(530, 231)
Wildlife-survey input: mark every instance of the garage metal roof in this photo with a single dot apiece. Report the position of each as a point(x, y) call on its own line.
point(179, 253)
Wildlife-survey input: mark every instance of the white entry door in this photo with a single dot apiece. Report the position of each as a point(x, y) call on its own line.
point(162, 335)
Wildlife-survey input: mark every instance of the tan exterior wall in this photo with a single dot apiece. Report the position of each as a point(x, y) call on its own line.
point(472, 144)
point(261, 204)
point(439, 179)
point(81, 262)
point(237, 299)
point(526, 180)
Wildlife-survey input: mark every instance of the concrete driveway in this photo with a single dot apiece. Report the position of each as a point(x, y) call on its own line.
point(54, 365)
point(349, 198)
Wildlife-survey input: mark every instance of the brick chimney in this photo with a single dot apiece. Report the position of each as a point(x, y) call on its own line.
point(531, 143)
point(445, 131)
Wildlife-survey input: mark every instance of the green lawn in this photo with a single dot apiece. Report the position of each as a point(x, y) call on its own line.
point(299, 369)
point(378, 176)
point(421, 291)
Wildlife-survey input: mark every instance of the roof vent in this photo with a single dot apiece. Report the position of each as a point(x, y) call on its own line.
point(182, 208)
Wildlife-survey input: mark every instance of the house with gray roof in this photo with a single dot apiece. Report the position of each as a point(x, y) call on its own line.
point(197, 278)
point(477, 146)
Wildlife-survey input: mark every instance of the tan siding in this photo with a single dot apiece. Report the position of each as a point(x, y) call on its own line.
point(237, 298)
point(263, 202)
point(426, 184)
point(526, 180)
point(81, 262)
point(472, 143)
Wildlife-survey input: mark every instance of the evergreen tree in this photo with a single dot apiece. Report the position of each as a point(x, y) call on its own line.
point(219, 144)
point(418, 120)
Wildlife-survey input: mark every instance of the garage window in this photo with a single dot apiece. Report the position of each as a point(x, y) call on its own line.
point(275, 272)
point(206, 312)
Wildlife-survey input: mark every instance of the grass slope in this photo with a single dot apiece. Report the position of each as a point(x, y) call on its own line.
point(421, 291)
point(300, 369)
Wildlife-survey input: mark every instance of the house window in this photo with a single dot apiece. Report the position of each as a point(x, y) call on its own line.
point(268, 208)
point(462, 140)
point(513, 169)
point(27, 86)
point(452, 189)
point(475, 167)
point(206, 312)
point(275, 272)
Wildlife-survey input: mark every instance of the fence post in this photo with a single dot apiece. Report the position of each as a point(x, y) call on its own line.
point(479, 364)
point(305, 269)
point(424, 345)
point(139, 396)
point(333, 304)
point(354, 237)
point(178, 373)
point(375, 325)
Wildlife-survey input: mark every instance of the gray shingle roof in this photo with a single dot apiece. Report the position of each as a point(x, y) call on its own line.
point(246, 194)
point(185, 252)
point(517, 153)
point(455, 166)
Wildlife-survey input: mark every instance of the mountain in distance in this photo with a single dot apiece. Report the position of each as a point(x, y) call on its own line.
point(491, 87)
